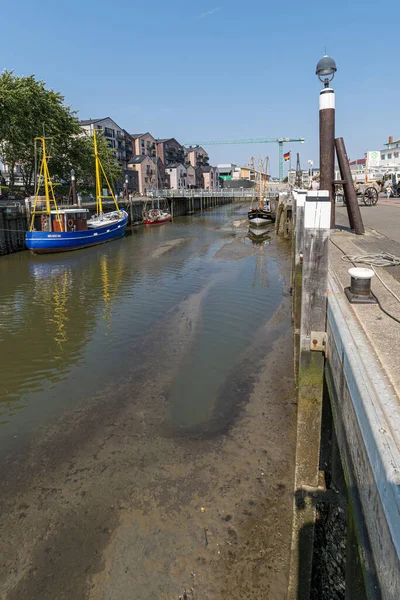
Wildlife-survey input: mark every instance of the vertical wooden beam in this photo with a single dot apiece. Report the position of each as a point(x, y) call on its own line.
point(317, 215)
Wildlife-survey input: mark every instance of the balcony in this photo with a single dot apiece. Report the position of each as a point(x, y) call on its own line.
point(109, 132)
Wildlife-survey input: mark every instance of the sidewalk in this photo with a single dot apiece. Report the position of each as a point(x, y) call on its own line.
point(382, 220)
point(382, 331)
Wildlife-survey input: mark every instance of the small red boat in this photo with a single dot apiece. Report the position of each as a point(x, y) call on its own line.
point(156, 215)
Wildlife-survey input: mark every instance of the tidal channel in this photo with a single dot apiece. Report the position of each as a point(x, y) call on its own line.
point(147, 416)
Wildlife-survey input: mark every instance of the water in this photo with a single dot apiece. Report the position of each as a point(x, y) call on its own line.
point(73, 325)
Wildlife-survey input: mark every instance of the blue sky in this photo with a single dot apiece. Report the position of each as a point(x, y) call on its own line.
point(215, 70)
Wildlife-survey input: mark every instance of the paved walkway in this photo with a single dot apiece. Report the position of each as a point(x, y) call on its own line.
point(382, 223)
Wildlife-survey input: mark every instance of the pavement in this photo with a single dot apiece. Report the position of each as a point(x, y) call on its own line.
point(382, 223)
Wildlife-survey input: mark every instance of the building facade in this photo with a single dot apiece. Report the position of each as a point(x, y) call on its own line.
point(194, 177)
point(145, 168)
point(390, 155)
point(177, 173)
point(210, 178)
point(170, 151)
point(113, 134)
point(144, 144)
point(196, 156)
point(226, 170)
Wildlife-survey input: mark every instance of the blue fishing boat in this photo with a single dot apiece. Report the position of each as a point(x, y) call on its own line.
point(63, 229)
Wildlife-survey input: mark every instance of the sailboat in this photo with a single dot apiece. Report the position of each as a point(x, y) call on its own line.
point(261, 214)
point(54, 229)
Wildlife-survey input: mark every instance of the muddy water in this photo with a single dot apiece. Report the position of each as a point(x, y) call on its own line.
point(147, 416)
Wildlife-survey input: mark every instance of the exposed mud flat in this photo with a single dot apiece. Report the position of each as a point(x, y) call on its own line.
point(115, 501)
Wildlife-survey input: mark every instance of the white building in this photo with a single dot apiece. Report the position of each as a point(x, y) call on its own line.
point(177, 176)
point(113, 133)
point(390, 155)
point(226, 170)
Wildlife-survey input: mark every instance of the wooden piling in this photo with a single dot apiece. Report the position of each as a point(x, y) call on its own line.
point(317, 214)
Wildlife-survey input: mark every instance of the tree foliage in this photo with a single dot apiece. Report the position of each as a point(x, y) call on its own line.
point(27, 110)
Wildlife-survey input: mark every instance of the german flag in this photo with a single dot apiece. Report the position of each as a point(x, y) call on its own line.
point(286, 156)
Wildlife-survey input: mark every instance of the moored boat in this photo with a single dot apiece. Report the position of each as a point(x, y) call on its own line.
point(261, 214)
point(64, 229)
point(155, 215)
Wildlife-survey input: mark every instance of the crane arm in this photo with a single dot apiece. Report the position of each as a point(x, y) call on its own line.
point(248, 141)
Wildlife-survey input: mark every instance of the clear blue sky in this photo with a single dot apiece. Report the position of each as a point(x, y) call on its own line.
point(216, 69)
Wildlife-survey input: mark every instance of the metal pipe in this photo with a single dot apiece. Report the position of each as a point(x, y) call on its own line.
point(353, 210)
point(327, 145)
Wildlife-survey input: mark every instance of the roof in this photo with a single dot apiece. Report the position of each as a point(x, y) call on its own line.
point(394, 142)
point(92, 121)
point(174, 166)
point(136, 135)
point(164, 140)
point(207, 168)
point(138, 158)
point(360, 161)
point(194, 148)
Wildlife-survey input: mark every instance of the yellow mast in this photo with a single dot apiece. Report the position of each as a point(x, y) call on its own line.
point(48, 188)
point(99, 171)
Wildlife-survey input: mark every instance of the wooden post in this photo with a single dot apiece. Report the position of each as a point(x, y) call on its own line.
point(317, 215)
point(172, 209)
point(131, 210)
point(298, 243)
point(300, 200)
point(353, 210)
point(327, 145)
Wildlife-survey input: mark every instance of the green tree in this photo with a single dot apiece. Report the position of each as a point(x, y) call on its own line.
point(27, 110)
point(81, 157)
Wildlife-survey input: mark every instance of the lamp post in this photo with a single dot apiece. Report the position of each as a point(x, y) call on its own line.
point(126, 190)
point(73, 186)
point(325, 71)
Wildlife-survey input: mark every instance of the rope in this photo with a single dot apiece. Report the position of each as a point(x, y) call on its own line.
point(383, 259)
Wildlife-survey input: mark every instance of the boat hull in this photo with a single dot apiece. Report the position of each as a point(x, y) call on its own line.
point(158, 221)
point(259, 217)
point(45, 242)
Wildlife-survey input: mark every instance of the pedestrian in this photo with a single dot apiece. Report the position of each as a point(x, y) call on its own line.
point(389, 191)
point(315, 185)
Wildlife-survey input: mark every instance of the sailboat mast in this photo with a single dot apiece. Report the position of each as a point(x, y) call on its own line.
point(46, 176)
point(99, 202)
point(260, 169)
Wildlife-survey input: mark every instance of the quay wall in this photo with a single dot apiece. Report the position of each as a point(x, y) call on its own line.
point(366, 424)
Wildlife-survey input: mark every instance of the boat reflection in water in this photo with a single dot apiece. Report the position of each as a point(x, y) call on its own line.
point(259, 235)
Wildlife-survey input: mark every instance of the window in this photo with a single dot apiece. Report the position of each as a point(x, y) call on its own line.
point(389, 156)
point(383, 156)
point(395, 154)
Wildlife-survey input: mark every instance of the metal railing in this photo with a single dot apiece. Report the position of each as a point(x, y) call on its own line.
point(227, 193)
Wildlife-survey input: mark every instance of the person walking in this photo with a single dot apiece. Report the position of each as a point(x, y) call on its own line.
point(389, 191)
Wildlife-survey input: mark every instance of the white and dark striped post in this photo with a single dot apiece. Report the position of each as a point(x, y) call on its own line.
point(326, 69)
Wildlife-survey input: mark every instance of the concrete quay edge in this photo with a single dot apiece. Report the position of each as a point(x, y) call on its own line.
point(375, 408)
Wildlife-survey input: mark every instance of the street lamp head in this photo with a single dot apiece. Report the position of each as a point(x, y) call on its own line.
point(126, 179)
point(326, 69)
point(72, 174)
